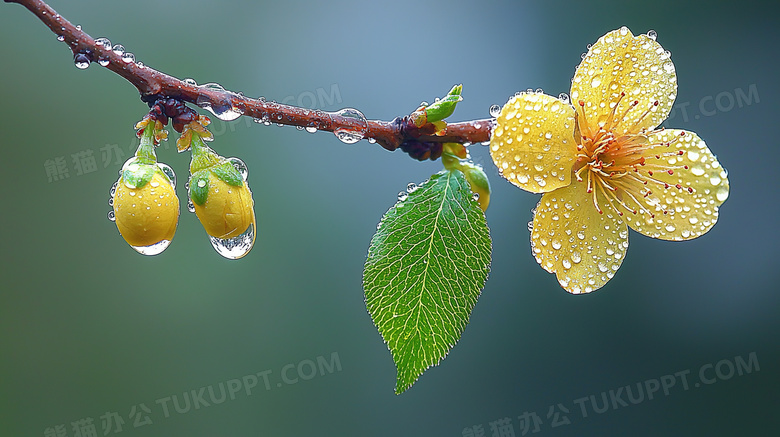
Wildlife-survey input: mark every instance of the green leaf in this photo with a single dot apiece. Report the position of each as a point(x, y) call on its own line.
point(227, 173)
point(443, 108)
point(427, 263)
point(199, 187)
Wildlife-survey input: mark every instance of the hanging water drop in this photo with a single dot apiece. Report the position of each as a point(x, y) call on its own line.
point(371, 140)
point(82, 60)
point(190, 206)
point(311, 129)
point(240, 166)
point(153, 249)
point(111, 216)
point(103, 62)
point(61, 38)
point(237, 247)
point(564, 98)
point(111, 201)
point(495, 111)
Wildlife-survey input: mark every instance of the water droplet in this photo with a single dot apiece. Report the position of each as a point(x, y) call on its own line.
point(168, 172)
point(201, 183)
point(566, 263)
point(564, 98)
point(119, 49)
point(128, 57)
point(140, 64)
point(103, 42)
point(311, 129)
point(153, 249)
point(190, 205)
point(722, 194)
point(112, 191)
point(402, 195)
point(224, 110)
point(60, 38)
point(82, 60)
point(530, 226)
point(575, 257)
point(652, 34)
point(111, 216)
point(411, 187)
point(237, 247)
point(495, 111)
point(371, 140)
point(190, 81)
point(475, 196)
point(78, 27)
point(111, 201)
point(556, 244)
point(103, 62)
point(240, 166)
point(354, 133)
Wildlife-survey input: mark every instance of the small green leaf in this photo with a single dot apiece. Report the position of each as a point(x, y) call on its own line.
point(443, 108)
point(199, 187)
point(137, 175)
point(427, 263)
point(227, 173)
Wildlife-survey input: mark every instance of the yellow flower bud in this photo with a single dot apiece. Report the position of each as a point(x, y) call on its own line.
point(147, 215)
point(228, 210)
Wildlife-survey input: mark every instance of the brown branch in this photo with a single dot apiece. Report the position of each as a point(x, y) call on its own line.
point(153, 84)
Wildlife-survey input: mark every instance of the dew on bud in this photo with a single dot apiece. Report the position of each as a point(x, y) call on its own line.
point(652, 34)
point(240, 166)
point(354, 133)
point(111, 216)
point(237, 247)
point(495, 111)
point(169, 173)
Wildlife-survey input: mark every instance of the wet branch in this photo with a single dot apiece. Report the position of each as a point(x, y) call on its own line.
point(153, 84)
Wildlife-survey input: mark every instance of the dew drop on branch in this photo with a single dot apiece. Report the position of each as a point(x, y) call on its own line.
point(119, 49)
point(128, 57)
point(311, 129)
point(105, 42)
point(61, 38)
point(495, 111)
point(357, 129)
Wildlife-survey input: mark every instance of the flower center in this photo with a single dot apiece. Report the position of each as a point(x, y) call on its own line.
point(618, 159)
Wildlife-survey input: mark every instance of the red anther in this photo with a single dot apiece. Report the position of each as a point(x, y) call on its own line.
point(658, 156)
point(686, 167)
point(655, 103)
point(601, 212)
point(666, 185)
point(590, 190)
point(642, 161)
point(620, 213)
point(650, 172)
point(682, 134)
point(690, 190)
point(679, 187)
point(680, 153)
point(652, 215)
point(581, 103)
point(636, 102)
point(670, 171)
point(666, 212)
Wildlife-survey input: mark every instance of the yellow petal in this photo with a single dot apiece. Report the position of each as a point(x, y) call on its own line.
point(638, 66)
point(146, 215)
point(571, 239)
point(228, 210)
point(533, 142)
point(688, 214)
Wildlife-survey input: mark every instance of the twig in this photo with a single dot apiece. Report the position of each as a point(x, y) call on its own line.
point(153, 84)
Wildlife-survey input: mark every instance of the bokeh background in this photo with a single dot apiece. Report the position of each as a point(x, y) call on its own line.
point(89, 327)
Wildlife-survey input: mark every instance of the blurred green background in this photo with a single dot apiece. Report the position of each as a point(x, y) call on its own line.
point(89, 327)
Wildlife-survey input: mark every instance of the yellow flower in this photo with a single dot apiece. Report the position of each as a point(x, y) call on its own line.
point(147, 215)
point(228, 210)
point(605, 165)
